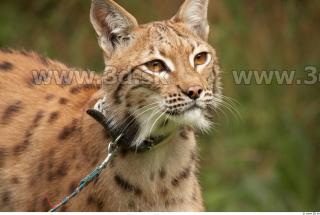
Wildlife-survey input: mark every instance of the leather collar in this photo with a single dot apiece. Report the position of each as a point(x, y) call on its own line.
point(145, 146)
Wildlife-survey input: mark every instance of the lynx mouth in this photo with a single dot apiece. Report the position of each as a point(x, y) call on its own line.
point(192, 107)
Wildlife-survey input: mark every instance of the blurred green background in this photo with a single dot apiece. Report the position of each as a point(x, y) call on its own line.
point(265, 160)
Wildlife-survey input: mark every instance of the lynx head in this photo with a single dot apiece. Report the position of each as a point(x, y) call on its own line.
point(157, 73)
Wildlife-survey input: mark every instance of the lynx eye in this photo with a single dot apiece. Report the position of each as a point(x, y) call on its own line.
point(201, 58)
point(156, 66)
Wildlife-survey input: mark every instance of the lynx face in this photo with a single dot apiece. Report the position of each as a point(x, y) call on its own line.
point(165, 71)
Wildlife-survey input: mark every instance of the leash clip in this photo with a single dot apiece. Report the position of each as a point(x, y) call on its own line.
point(114, 144)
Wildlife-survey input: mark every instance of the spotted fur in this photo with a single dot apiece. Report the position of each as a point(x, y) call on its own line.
point(48, 142)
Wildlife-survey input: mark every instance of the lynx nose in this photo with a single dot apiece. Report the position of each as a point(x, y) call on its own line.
point(194, 92)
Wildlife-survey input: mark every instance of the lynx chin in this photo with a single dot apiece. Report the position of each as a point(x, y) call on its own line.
point(48, 142)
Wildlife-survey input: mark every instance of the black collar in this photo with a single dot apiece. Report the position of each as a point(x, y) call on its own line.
point(149, 143)
point(145, 146)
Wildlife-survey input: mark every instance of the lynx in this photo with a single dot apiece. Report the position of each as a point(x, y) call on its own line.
point(161, 85)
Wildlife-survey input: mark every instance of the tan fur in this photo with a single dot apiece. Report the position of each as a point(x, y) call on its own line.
point(48, 142)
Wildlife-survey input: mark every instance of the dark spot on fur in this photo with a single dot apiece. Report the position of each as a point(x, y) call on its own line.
point(184, 134)
point(37, 118)
point(162, 173)
point(10, 111)
point(62, 169)
point(6, 66)
point(99, 205)
point(183, 175)
point(15, 180)
point(90, 200)
point(6, 197)
point(138, 192)
point(53, 117)
point(68, 130)
point(77, 89)
point(49, 97)
point(3, 154)
point(63, 101)
point(126, 186)
point(175, 182)
point(18, 149)
point(56, 173)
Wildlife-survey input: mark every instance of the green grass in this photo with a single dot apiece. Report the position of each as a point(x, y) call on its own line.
point(266, 160)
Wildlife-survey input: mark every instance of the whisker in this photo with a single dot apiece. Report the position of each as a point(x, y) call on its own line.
point(156, 122)
point(132, 114)
point(155, 112)
point(141, 113)
point(226, 104)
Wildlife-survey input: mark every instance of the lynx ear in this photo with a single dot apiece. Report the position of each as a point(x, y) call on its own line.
point(194, 13)
point(112, 23)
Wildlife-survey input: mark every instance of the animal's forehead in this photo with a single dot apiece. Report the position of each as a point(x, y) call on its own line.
point(167, 37)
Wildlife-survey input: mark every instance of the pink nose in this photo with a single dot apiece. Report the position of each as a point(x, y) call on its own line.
point(194, 92)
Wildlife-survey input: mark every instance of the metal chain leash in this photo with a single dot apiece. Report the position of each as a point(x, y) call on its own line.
point(112, 152)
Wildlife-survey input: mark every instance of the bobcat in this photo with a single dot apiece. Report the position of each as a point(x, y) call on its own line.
point(161, 85)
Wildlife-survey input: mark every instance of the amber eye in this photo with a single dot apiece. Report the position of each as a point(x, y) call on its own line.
point(201, 58)
point(156, 66)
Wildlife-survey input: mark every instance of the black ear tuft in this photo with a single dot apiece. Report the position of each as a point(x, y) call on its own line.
point(112, 23)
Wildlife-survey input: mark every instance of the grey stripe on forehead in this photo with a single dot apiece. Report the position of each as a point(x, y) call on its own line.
point(159, 32)
point(183, 37)
point(165, 33)
point(177, 32)
point(160, 27)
